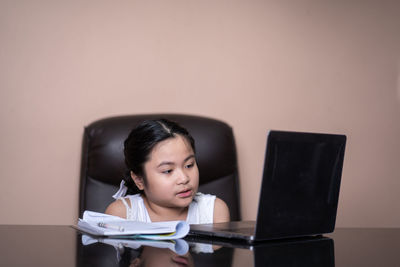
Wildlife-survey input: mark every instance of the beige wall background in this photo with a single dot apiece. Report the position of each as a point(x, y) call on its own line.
point(326, 66)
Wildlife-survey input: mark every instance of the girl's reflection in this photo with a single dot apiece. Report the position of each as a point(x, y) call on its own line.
point(153, 256)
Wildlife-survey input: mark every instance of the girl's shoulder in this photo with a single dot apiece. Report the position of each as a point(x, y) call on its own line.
point(221, 211)
point(116, 208)
point(119, 207)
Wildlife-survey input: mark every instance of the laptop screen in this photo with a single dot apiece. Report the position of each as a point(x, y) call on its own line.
point(300, 188)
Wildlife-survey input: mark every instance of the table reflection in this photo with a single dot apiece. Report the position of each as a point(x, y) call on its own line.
point(154, 256)
point(196, 252)
point(306, 252)
point(133, 252)
point(311, 251)
point(50, 245)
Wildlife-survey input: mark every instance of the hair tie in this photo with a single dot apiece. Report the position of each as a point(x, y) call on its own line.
point(121, 191)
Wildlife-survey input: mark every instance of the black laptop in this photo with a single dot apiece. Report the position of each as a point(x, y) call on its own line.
point(299, 190)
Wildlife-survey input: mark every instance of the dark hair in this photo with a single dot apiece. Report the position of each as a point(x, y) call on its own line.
point(127, 255)
point(141, 141)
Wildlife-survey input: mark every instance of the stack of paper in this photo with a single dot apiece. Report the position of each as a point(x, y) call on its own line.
point(101, 224)
point(179, 246)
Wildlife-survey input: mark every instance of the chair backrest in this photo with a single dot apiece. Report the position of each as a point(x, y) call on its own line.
point(103, 163)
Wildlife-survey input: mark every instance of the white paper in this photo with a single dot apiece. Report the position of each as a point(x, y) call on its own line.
point(131, 229)
point(179, 246)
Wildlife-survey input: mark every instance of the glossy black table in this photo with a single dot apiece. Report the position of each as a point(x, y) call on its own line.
point(26, 245)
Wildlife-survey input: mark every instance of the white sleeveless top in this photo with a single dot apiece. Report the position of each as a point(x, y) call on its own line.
point(201, 210)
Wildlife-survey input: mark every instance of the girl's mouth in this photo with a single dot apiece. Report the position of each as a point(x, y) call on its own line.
point(185, 194)
point(181, 261)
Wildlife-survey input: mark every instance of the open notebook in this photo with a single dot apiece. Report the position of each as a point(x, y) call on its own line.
point(299, 190)
point(100, 224)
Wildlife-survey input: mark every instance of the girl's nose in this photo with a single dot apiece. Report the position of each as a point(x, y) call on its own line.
point(183, 177)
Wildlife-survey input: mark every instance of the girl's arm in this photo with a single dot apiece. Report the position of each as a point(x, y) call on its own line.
point(221, 211)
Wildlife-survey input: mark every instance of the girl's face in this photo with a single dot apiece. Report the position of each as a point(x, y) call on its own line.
point(172, 176)
point(162, 257)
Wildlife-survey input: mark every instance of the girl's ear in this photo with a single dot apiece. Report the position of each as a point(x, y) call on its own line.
point(138, 181)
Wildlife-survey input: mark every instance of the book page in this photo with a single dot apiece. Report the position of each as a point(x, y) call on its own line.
point(106, 225)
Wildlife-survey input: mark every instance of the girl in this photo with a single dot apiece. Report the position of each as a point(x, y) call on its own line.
point(160, 156)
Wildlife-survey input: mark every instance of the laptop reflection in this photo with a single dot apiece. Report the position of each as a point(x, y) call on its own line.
point(305, 252)
point(310, 251)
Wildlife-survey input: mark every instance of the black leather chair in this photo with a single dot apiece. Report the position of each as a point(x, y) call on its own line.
point(103, 160)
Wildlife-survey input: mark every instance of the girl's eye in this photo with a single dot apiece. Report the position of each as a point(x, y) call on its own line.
point(167, 171)
point(189, 165)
